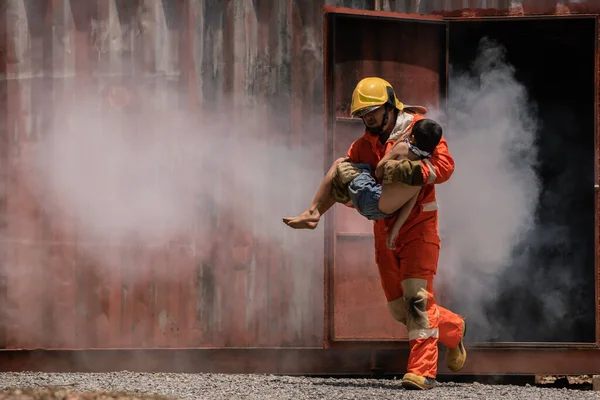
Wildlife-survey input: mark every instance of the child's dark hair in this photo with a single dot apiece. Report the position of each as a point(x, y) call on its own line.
point(427, 134)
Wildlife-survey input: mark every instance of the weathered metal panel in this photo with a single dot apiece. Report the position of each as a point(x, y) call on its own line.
point(489, 7)
point(597, 175)
point(237, 277)
point(263, 56)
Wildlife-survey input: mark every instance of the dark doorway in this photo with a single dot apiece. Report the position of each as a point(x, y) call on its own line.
point(554, 59)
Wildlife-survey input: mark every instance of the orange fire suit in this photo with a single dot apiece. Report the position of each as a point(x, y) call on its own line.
point(407, 272)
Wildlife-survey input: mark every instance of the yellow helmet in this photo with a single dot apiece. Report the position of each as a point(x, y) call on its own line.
point(370, 94)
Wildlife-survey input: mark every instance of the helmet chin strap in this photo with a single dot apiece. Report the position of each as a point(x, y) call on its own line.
point(378, 130)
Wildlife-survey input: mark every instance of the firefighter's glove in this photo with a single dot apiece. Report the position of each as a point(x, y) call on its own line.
point(404, 171)
point(345, 172)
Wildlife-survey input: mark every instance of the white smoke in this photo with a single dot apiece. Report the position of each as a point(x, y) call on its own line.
point(489, 204)
point(213, 184)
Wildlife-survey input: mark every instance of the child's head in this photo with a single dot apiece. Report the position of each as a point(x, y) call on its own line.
point(425, 135)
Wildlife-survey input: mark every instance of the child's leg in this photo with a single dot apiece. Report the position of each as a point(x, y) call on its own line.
point(322, 202)
point(395, 195)
point(402, 216)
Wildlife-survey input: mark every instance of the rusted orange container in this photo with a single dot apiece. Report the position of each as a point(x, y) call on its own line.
point(230, 288)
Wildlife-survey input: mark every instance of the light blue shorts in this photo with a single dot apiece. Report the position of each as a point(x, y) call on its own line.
point(365, 193)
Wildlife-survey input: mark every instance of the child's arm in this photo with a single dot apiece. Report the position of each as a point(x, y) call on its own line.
point(403, 214)
point(398, 151)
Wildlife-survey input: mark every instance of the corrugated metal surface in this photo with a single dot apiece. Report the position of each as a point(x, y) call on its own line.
point(495, 7)
point(232, 276)
point(227, 280)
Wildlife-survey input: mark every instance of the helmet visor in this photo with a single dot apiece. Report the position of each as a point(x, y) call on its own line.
point(363, 111)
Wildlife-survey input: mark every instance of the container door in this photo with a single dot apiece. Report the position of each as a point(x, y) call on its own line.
point(410, 52)
point(549, 279)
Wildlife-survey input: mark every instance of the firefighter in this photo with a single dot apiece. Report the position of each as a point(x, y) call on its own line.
point(407, 271)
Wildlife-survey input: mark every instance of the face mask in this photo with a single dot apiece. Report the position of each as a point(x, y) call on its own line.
point(416, 150)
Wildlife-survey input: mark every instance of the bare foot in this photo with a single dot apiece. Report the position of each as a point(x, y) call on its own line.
point(306, 220)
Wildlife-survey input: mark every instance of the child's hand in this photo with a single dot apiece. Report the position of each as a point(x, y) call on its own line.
point(391, 240)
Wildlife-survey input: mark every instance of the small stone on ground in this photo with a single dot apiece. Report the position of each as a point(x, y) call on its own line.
point(160, 386)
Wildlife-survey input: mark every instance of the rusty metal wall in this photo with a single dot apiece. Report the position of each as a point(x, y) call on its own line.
point(489, 7)
point(260, 55)
point(234, 288)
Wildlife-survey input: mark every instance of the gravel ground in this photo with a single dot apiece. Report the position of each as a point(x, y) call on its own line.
point(216, 386)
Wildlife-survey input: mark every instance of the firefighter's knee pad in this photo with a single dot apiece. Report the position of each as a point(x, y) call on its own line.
point(415, 299)
point(397, 309)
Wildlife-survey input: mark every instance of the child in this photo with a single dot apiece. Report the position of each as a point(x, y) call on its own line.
point(360, 188)
point(375, 201)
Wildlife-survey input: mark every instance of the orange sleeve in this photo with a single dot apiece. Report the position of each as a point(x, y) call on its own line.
point(353, 153)
point(438, 168)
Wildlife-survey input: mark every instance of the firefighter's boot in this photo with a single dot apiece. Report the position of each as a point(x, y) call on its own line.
point(416, 382)
point(456, 357)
